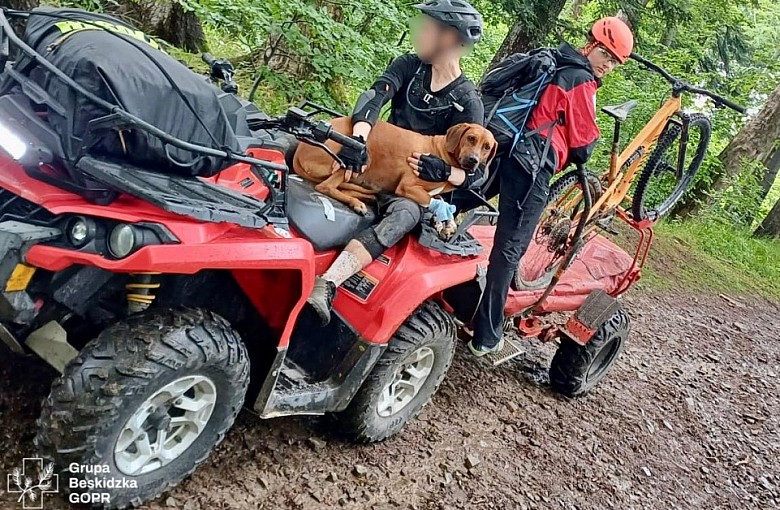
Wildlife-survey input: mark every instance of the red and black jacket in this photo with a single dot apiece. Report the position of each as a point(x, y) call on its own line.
point(570, 99)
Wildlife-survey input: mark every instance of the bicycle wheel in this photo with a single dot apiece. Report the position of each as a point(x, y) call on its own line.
point(555, 230)
point(660, 185)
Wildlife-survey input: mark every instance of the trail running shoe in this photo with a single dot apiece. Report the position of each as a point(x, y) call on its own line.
point(480, 350)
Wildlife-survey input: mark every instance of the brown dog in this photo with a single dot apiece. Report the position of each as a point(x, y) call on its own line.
point(464, 146)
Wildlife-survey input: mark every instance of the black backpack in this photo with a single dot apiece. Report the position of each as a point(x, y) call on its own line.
point(510, 92)
point(124, 67)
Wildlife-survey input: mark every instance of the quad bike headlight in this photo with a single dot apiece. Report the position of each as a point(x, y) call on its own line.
point(125, 239)
point(12, 144)
point(80, 231)
point(122, 240)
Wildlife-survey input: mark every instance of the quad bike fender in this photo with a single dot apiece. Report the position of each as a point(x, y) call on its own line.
point(276, 274)
point(394, 286)
point(229, 254)
point(597, 309)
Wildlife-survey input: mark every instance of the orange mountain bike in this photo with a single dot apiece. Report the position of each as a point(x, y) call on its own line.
point(665, 156)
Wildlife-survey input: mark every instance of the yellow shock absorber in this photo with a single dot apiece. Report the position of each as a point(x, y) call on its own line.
point(140, 293)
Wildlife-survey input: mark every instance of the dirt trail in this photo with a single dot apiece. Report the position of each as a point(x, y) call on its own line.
point(690, 418)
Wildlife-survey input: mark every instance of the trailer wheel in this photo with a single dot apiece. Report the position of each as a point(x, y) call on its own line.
point(147, 401)
point(404, 379)
point(576, 368)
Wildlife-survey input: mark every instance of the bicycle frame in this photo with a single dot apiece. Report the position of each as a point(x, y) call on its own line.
point(617, 181)
point(624, 167)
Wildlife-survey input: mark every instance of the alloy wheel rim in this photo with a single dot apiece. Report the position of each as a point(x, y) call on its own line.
point(165, 425)
point(407, 382)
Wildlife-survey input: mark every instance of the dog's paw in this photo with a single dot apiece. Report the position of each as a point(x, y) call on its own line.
point(438, 226)
point(360, 208)
point(448, 229)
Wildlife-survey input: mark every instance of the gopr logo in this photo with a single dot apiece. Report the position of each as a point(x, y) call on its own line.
point(32, 482)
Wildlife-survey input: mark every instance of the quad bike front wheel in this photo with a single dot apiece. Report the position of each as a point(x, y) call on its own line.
point(576, 368)
point(147, 401)
point(404, 379)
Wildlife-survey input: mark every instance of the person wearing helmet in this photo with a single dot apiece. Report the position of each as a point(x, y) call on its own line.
point(561, 131)
point(428, 94)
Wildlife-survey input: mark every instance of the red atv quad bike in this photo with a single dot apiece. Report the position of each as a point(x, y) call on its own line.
point(168, 302)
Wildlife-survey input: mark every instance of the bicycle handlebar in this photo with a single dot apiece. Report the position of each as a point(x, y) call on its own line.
point(682, 85)
point(221, 69)
point(719, 100)
point(209, 59)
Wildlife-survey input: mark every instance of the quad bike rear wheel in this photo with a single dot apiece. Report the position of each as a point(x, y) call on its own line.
point(576, 368)
point(149, 398)
point(404, 379)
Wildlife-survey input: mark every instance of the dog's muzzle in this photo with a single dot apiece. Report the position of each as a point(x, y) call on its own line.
point(470, 163)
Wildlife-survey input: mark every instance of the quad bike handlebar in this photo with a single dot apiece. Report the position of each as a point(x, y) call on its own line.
point(299, 122)
point(679, 85)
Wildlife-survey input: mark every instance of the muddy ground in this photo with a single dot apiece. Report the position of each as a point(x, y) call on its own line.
point(689, 418)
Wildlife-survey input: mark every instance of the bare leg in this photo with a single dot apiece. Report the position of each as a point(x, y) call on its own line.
point(351, 260)
point(354, 258)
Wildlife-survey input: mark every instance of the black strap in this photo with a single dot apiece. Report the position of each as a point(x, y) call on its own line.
point(461, 90)
point(494, 109)
point(545, 130)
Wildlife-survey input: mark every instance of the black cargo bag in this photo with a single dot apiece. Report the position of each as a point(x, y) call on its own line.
point(126, 68)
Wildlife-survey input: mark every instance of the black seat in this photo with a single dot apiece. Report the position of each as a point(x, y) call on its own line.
point(326, 223)
point(620, 112)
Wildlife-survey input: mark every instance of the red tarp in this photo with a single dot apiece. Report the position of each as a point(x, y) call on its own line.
point(600, 265)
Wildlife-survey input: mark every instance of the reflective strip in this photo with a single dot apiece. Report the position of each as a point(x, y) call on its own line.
point(71, 27)
point(20, 278)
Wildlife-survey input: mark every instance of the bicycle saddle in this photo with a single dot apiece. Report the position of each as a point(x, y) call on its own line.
point(620, 112)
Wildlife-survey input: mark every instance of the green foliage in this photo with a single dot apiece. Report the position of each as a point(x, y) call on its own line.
point(739, 202)
point(322, 50)
point(714, 256)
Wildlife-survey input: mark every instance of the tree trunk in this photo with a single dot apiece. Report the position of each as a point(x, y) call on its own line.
point(770, 227)
point(168, 20)
point(20, 5)
point(772, 165)
point(577, 7)
point(754, 142)
point(529, 31)
point(182, 28)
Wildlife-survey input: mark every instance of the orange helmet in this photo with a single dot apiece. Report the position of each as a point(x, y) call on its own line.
point(613, 33)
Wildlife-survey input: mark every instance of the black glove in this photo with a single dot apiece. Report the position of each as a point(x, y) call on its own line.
point(433, 169)
point(353, 159)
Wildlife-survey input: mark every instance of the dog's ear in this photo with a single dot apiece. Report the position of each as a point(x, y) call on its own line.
point(454, 134)
point(493, 151)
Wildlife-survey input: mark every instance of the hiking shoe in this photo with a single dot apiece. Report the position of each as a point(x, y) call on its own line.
point(321, 298)
point(480, 350)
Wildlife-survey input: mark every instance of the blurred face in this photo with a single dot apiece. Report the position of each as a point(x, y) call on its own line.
point(434, 42)
point(602, 61)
